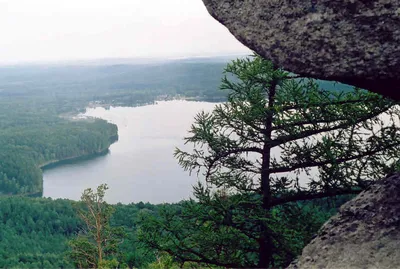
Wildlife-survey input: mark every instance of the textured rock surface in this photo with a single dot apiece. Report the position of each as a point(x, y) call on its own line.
point(365, 234)
point(352, 41)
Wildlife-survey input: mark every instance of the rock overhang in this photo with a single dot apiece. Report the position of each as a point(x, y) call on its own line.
point(350, 41)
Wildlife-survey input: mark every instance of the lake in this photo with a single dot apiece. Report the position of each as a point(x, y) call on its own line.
point(140, 166)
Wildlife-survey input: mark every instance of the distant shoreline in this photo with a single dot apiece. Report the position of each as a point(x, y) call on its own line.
point(54, 163)
point(94, 104)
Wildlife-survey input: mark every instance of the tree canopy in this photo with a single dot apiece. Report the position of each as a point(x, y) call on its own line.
point(277, 140)
point(97, 244)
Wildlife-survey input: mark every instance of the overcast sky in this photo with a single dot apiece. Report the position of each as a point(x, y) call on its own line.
point(53, 30)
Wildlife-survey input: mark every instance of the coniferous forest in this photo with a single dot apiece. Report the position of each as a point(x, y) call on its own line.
point(37, 104)
point(35, 231)
point(38, 127)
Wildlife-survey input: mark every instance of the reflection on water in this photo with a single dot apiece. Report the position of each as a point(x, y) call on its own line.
point(140, 166)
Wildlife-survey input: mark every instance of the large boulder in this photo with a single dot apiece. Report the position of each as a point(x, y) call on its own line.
point(352, 41)
point(365, 234)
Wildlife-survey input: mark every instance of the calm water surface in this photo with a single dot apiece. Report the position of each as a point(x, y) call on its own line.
point(140, 166)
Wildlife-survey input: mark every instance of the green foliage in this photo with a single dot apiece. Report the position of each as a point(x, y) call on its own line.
point(108, 264)
point(38, 102)
point(164, 261)
point(36, 105)
point(213, 234)
point(97, 244)
point(25, 149)
point(34, 232)
point(277, 141)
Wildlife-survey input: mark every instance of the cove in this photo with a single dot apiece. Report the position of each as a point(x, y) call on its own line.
point(140, 166)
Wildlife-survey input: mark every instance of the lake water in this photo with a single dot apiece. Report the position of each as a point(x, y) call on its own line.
point(140, 166)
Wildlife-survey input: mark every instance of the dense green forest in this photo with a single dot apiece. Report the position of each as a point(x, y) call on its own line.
point(38, 101)
point(37, 105)
point(37, 128)
point(33, 134)
point(276, 142)
point(122, 84)
point(34, 231)
point(25, 150)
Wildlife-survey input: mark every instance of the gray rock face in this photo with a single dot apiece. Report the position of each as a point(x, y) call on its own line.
point(352, 41)
point(365, 234)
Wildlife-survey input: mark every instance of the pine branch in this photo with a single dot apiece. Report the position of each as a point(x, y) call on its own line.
point(326, 162)
point(293, 137)
point(225, 154)
point(307, 104)
point(304, 196)
point(306, 122)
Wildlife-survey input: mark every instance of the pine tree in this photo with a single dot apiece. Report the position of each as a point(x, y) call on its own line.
point(277, 141)
point(97, 245)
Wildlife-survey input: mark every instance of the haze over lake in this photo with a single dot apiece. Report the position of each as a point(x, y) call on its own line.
point(140, 166)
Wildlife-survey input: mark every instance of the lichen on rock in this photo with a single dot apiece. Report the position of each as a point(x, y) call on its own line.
point(351, 41)
point(364, 234)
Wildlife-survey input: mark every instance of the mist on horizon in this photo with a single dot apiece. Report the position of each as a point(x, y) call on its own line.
point(56, 30)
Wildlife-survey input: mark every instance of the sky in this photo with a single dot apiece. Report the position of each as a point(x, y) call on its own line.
point(63, 30)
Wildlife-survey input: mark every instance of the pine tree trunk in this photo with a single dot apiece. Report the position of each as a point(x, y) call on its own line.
point(265, 241)
point(99, 240)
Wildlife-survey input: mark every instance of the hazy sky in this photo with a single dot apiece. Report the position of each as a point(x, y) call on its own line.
point(51, 30)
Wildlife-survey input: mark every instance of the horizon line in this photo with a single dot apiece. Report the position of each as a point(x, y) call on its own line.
point(132, 59)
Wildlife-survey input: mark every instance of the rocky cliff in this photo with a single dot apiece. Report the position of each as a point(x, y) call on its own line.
point(352, 41)
point(365, 234)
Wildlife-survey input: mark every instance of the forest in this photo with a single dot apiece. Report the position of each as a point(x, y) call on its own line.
point(249, 207)
point(35, 231)
point(37, 104)
point(278, 143)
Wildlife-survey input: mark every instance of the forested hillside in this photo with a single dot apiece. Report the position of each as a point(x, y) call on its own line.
point(37, 104)
point(34, 232)
point(37, 128)
point(38, 101)
point(26, 149)
point(274, 144)
point(141, 83)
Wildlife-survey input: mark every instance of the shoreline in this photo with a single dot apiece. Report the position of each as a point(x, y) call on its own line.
point(94, 104)
point(54, 163)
